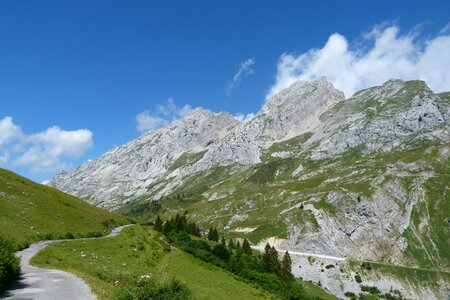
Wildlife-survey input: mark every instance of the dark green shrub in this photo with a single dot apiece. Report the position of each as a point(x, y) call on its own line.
point(221, 252)
point(370, 289)
point(93, 234)
point(46, 237)
point(20, 245)
point(367, 266)
point(265, 280)
point(297, 292)
point(68, 236)
point(329, 266)
point(151, 289)
point(358, 278)
point(350, 295)
point(183, 237)
point(9, 263)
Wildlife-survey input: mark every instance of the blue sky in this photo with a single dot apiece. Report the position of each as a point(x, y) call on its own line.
point(76, 76)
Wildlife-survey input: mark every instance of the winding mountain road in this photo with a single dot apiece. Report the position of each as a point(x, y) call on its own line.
point(46, 284)
point(304, 254)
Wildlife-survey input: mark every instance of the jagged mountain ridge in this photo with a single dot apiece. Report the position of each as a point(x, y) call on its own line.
point(127, 170)
point(364, 177)
point(313, 171)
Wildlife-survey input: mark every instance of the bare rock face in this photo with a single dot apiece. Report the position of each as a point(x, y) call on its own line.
point(347, 149)
point(128, 170)
point(365, 177)
point(290, 113)
point(381, 118)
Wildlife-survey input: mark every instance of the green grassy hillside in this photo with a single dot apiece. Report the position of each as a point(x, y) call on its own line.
point(111, 264)
point(264, 196)
point(31, 211)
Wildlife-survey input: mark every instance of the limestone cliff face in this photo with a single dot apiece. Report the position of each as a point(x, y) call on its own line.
point(365, 177)
point(382, 118)
point(290, 113)
point(357, 167)
point(125, 172)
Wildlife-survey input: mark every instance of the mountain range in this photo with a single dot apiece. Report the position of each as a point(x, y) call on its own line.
point(365, 177)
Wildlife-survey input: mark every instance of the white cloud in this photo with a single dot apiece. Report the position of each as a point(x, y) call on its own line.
point(9, 131)
point(41, 152)
point(146, 121)
point(244, 118)
point(384, 53)
point(245, 69)
point(161, 116)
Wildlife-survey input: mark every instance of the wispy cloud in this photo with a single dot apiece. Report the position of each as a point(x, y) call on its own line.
point(46, 151)
point(161, 115)
point(245, 69)
point(244, 118)
point(384, 53)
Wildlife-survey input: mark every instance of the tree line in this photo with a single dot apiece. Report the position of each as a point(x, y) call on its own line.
point(265, 270)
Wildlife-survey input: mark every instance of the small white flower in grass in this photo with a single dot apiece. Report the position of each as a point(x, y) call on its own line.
point(145, 276)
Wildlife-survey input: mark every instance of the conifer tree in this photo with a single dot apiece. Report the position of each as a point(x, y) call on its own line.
point(235, 264)
point(246, 247)
point(193, 229)
point(238, 247)
point(213, 235)
point(275, 263)
point(286, 268)
point(167, 227)
point(267, 259)
point(231, 244)
point(179, 221)
point(158, 224)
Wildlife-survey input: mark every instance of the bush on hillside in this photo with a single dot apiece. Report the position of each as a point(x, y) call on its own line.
point(145, 289)
point(9, 263)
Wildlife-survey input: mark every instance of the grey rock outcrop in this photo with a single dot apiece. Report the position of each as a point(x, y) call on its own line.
point(381, 118)
point(395, 116)
point(126, 172)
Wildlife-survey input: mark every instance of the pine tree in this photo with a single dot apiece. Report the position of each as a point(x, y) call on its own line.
point(286, 268)
point(231, 244)
point(275, 263)
point(267, 259)
point(223, 242)
point(213, 235)
point(179, 221)
point(193, 229)
point(238, 247)
point(246, 247)
point(221, 252)
point(158, 224)
point(235, 264)
point(167, 227)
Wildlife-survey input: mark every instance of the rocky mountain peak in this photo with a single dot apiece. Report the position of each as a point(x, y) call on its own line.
point(302, 92)
point(380, 118)
point(199, 113)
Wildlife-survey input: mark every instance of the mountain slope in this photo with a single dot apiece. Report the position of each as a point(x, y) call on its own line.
point(105, 271)
point(31, 211)
point(313, 171)
point(133, 169)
